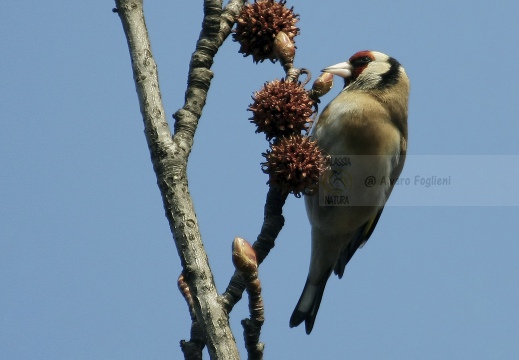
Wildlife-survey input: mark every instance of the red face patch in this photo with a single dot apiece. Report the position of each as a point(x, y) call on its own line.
point(362, 54)
point(360, 61)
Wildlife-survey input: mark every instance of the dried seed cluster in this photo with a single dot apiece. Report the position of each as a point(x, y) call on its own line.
point(259, 23)
point(281, 108)
point(293, 164)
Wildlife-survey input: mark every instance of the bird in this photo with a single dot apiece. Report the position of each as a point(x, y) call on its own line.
point(367, 123)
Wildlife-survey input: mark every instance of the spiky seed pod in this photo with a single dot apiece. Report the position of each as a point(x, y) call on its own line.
point(294, 164)
point(258, 24)
point(281, 108)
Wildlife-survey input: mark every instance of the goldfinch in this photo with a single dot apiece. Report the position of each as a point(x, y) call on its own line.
point(367, 121)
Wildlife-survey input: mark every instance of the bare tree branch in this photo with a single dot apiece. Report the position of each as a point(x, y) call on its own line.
point(245, 261)
point(193, 348)
point(273, 222)
point(169, 155)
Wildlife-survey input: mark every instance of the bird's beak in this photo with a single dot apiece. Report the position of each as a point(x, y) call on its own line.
point(341, 69)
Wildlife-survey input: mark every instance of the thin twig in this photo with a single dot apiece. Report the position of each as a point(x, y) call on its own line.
point(273, 222)
point(193, 348)
point(245, 261)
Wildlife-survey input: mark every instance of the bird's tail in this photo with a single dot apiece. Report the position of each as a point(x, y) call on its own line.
point(308, 304)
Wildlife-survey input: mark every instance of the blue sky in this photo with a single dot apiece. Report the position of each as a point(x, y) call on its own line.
point(88, 266)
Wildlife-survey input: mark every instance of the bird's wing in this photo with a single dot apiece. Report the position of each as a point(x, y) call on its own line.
point(365, 231)
point(356, 242)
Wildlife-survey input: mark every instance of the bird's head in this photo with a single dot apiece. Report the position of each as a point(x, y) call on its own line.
point(368, 70)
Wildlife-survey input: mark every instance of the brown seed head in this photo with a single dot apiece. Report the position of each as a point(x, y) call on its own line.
point(293, 164)
point(258, 24)
point(281, 108)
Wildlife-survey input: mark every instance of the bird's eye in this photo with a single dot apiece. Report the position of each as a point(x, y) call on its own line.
point(362, 61)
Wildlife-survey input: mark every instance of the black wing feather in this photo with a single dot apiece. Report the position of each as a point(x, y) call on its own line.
point(358, 241)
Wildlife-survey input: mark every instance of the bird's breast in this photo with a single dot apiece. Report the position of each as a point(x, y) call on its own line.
point(364, 147)
point(357, 126)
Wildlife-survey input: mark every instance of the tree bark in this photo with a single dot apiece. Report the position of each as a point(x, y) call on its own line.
point(169, 155)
